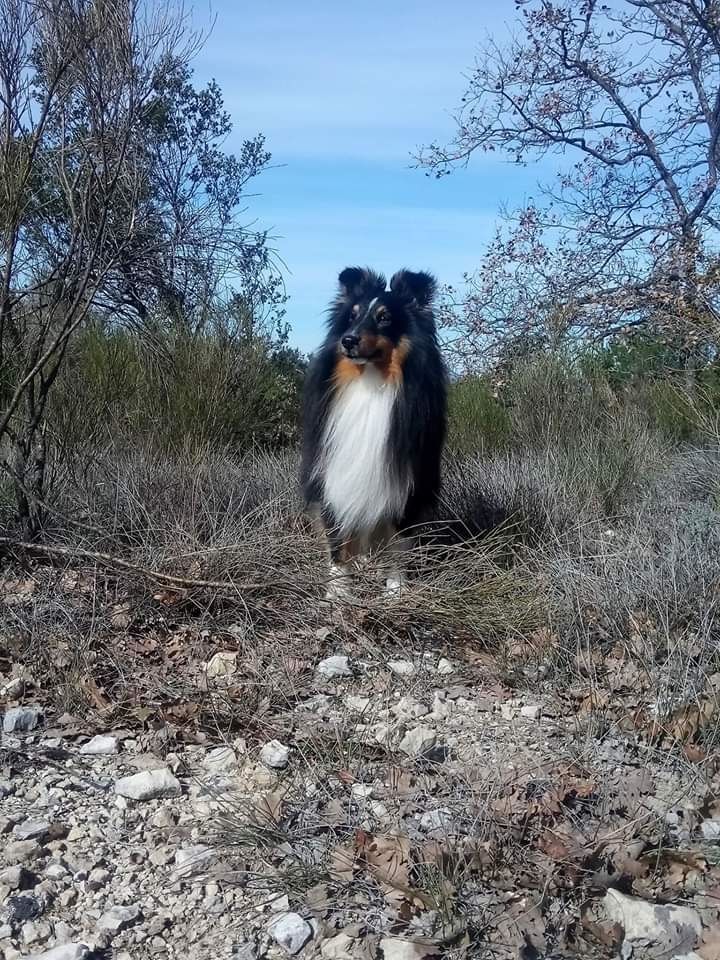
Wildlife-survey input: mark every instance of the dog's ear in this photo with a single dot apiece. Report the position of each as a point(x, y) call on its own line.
point(356, 283)
point(419, 287)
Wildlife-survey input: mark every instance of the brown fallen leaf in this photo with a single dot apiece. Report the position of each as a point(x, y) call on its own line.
point(387, 857)
point(411, 949)
point(521, 924)
point(96, 694)
point(342, 864)
point(560, 845)
point(268, 808)
point(687, 721)
point(599, 928)
point(693, 753)
point(709, 949)
point(686, 870)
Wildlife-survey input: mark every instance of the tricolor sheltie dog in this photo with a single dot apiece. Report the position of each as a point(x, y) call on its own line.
point(374, 416)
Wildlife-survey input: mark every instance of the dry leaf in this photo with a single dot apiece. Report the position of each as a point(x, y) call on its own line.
point(388, 860)
point(693, 753)
point(268, 808)
point(522, 925)
point(96, 694)
point(387, 857)
point(342, 864)
point(594, 700)
point(709, 949)
point(408, 949)
point(555, 846)
point(686, 722)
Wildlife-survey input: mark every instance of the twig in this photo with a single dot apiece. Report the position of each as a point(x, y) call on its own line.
point(108, 560)
point(46, 506)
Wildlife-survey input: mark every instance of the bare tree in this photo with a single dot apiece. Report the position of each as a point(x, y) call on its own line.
point(115, 199)
point(627, 237)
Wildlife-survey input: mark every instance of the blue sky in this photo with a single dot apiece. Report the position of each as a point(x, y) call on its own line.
point(344, 94)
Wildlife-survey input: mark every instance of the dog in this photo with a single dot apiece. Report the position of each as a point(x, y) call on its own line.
point(374, 420)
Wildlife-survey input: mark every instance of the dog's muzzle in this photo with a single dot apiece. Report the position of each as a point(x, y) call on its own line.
point(350, 344)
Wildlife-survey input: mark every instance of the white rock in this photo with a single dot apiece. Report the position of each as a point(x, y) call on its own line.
point(441, 708)
point(31, 829)
point(402, 668)
point(393, 948)
point(163, 817)
point(117, 919)
point(337, 666)
point(407, 708)
point(444, 667)
point(687, 956)
point(62, 932)
point(275, 754)
point(21, 851)
point(189, 860)
point(100, 745)
point(435, 819)
point(291, 932)
point(36, 931)
point(149, 785)
point(531, 712)
point(280, 904)
point(361, 791)
point(16, 877)
point(382, 733)
point(337, 948)
point(222, 664)
point(357, 704)
point(418, 740)
point(66, 951)
point(666, 925)
point(21, 719)
point(710, 829)
point(55, 871)
point(12, 689)
point(221, 759)
point(97, 878)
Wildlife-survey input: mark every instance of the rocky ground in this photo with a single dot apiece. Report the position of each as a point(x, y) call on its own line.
point(403, 807)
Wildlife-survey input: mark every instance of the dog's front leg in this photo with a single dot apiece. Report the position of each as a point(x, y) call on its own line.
point(394, 545)
point(340, 568)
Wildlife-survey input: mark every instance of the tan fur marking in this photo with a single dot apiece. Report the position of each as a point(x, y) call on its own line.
point(345, 372)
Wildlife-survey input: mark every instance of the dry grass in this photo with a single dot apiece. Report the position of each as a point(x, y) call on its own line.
point(642, 576)
point(586, 584)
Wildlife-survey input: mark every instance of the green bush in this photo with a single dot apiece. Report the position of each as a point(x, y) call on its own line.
point(477, 420)
point(173, 389)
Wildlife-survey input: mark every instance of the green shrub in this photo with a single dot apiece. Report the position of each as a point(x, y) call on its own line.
point(477, 420)
point(174, 389)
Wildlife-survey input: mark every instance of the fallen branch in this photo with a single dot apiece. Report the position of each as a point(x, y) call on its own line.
point(116, 563)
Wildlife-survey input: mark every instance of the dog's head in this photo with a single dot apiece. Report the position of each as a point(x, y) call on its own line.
point(369, 321)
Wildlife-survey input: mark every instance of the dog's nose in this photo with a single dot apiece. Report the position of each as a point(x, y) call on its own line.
point(350, 341)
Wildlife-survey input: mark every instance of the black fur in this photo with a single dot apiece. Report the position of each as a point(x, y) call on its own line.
point(417, 431)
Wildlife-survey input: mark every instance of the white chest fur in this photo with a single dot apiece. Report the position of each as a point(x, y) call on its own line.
point(358, 483)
